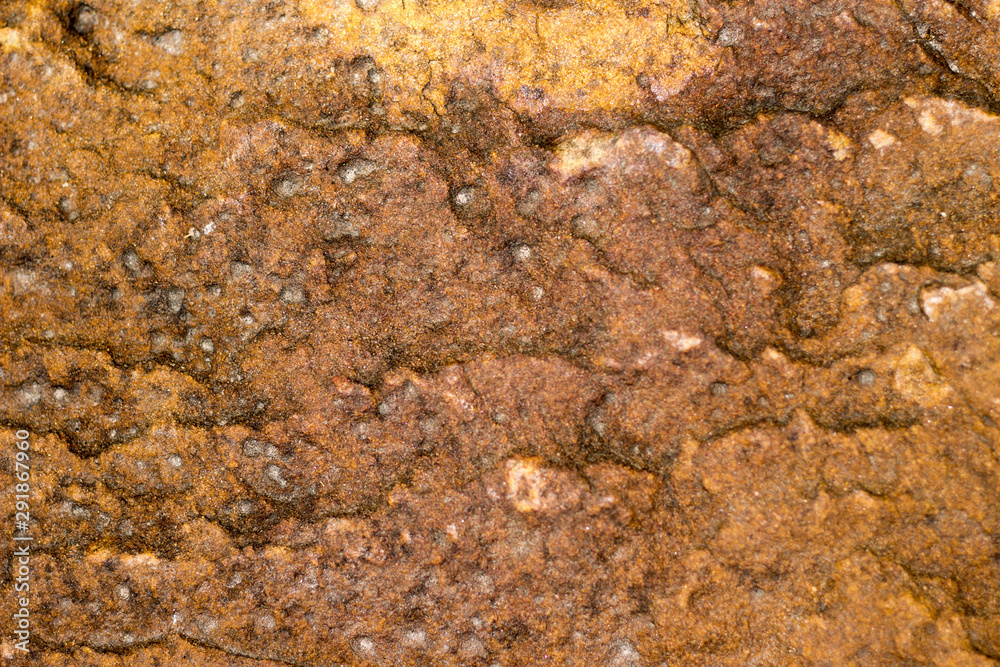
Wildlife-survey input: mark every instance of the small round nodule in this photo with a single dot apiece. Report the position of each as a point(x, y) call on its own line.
point(171, 42)
point(352, 170)
point(587, 228)
point(253, 448)
point(464, 196)
point(68, 209)
point(865, 377)
point(285, 186)
point(132, 261)
point(340, 228)
point(83, 19)
point(470, 202)
point(364, 647)
point(292, 294)
point(719, 388)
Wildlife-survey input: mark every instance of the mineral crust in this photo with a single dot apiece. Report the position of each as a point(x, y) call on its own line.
point(536, 332)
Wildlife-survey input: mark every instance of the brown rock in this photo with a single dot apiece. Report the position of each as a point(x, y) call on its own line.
point(455, 333)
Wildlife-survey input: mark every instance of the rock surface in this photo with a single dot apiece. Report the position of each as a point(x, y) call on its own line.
point(530, 333)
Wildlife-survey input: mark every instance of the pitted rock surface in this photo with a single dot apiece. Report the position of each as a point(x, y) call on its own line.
point(525, 333)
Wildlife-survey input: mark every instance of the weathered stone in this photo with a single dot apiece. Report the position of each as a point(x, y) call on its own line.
point(537, 333)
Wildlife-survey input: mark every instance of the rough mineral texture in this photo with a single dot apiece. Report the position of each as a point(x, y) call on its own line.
point(532, 332)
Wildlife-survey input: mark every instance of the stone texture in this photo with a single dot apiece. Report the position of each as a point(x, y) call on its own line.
point(546, 333)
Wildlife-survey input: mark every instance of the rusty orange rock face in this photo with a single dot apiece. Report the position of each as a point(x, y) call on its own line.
point(533, 333)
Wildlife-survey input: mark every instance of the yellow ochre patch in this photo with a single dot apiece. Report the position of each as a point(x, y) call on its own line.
point(580, 57)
